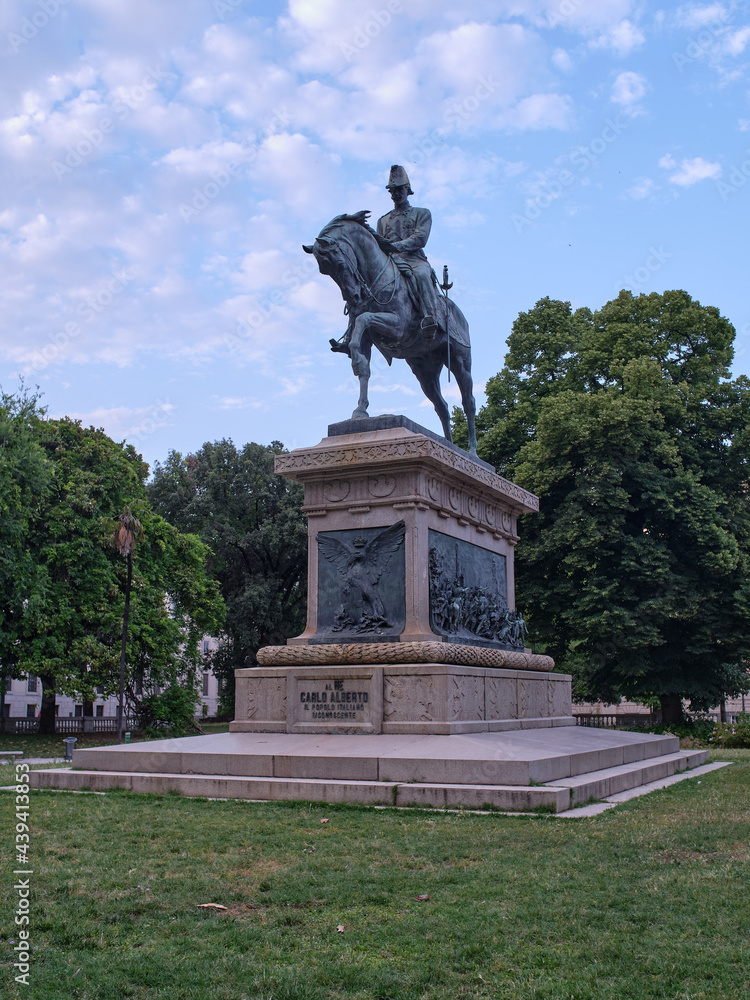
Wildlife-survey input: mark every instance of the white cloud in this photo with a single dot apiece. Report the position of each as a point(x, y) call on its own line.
point(237, 403)
point(542, 111)
point(714, 39)
point(697, 16)
point(124, 422)
point(689, 172)
point(628, 90)
point(737, 41)
point(641, 189)
point(262, 268)
point(455, 174)
point(208, 158)
point(329, 35)
point(294, 170)
point(294, 386)
point(322, 298)
point(388, 387)
point(452, 78)
point(464, 220)
point(621, 39)
point(561, 60)
point(501, 52)
point(585, 16)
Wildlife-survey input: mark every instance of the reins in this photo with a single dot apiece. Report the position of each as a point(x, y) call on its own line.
point(342, 241)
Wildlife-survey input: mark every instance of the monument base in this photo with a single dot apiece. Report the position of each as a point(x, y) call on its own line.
point(424, 698)
point(550, 770)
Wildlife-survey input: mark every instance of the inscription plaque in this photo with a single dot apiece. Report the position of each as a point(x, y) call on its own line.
point(338, 701)
point(346, 700)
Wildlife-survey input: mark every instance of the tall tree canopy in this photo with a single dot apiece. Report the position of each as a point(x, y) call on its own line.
point(626, 422)
point(24, 473)
point(68, 628)
point(253, 523)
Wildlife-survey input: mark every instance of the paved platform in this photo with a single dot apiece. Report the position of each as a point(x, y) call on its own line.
point(551, 769)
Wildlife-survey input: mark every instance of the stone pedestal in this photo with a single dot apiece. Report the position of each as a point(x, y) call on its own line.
point(459, 523)
point(410, 621)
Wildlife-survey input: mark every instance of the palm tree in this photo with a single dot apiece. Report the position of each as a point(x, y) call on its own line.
point(126, 535)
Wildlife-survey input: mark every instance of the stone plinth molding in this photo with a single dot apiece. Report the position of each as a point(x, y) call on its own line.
point(429, 698)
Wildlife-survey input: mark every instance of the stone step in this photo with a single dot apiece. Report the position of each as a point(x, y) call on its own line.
point(556, 796)
point(421, 794)
point(520, 758)
point(609, 781)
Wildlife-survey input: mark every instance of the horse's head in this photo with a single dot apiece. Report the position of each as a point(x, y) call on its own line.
point(337, 252)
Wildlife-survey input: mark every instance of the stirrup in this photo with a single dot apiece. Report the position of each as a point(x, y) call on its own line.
point(339, 347)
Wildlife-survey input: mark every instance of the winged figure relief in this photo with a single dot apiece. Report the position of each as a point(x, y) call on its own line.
point(361, 564)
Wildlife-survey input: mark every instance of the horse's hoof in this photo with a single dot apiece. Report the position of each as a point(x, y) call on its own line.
point(360, 414)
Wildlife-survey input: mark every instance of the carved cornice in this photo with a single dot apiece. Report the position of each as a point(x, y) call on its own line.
point(303, 463)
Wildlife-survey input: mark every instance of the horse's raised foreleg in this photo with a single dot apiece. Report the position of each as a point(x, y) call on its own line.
point(461, 368)
point(428, 371)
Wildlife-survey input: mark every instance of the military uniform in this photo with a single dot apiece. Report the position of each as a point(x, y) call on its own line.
point(408, 229)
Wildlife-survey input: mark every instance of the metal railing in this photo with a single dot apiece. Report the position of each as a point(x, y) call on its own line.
point(611, 720)
point(67, 727)
point(597, 721)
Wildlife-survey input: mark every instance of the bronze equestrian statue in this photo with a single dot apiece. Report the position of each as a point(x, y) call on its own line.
point(393, 302)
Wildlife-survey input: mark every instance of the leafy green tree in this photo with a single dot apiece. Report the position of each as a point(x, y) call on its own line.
point(165, 635)
point(635, 574)
point(252, 521)
point(23, 478)
point(69, 631)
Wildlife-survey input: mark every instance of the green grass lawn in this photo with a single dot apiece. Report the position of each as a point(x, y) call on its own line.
point(650, 900)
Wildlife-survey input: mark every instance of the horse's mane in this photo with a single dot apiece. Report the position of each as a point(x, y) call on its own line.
point(359, 217)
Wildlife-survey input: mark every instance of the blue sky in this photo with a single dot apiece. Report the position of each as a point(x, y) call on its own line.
point(163, 162)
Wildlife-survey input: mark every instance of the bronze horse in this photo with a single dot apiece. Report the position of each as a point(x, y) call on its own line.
point(382, 313)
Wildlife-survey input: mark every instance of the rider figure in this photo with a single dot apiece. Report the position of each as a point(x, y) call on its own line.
point(402, 233)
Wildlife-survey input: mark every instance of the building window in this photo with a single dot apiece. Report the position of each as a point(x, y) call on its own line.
point(57, 709)
point(6, 709)
point(205, 683)
point(79, 711)
point(99, 711)
point(206, 647)
point(31, 711)
point(31, 685)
